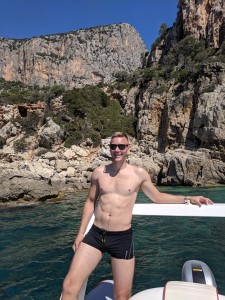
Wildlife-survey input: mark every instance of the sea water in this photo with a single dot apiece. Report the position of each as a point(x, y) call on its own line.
point(36, 246)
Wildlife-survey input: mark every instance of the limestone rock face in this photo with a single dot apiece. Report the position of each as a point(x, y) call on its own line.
point(202, 19)
point(182, 129)
point(183, 167)
point(51, 134)
point(10, 130)
point(190, 116)
point(74, 59)
point(209, 119)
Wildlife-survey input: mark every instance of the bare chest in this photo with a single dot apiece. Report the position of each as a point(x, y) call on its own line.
point(123, 184)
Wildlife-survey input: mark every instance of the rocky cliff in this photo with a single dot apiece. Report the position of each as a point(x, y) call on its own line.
point(74, 59)
point(181, 127)
point(202, 19)
point(178, 103)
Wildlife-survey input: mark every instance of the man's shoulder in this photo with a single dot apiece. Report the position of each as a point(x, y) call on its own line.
point(99, 169)
point(137, 169)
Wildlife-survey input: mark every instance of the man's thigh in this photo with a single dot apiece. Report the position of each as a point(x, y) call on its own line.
point(123, 273)
point(85, 260)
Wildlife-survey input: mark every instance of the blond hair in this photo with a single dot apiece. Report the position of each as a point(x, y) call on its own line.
point(120, 134)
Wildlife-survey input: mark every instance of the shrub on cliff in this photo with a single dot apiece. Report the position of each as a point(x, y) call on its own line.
point(93, 115)
point(185, 58)
point(14, 92)
point(30, 123)
point(20, 145)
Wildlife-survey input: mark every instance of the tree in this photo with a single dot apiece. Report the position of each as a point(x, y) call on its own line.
point(162, 29)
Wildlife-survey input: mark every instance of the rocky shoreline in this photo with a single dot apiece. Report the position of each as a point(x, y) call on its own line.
point(49, 177)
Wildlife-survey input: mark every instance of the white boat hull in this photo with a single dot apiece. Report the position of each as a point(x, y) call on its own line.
point(156, 294)
point(104, 291)
point(153, 294)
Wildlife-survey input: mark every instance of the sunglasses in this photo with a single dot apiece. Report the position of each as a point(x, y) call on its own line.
point(120, 146)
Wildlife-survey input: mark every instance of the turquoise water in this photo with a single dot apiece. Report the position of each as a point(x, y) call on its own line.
point(35, 248)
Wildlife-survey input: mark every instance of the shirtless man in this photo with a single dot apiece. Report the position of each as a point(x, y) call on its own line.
point(116, 187)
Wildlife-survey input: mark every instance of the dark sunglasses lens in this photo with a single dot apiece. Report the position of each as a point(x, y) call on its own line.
point(120, 146)
point(113, 146)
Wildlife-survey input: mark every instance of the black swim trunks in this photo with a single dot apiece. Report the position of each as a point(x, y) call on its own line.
point(118, 244)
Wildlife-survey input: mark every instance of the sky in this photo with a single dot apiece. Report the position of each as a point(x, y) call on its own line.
point(32, 18)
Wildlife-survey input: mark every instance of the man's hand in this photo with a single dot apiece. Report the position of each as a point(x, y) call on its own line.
point(199, 200)
point(77, 241)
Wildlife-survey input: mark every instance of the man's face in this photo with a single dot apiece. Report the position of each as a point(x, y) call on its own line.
point(119, 148)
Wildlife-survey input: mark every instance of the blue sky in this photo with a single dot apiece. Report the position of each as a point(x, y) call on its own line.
point(29, 18)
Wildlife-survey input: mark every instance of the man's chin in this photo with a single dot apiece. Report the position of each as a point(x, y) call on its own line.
point(118, 158)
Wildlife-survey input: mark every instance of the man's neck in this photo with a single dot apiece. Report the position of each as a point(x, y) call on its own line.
point(117, 166)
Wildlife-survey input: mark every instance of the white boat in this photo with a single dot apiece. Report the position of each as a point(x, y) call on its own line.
point(198, 282)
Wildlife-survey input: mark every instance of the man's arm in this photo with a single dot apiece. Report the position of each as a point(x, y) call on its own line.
point(88, 209)
point(156, 196)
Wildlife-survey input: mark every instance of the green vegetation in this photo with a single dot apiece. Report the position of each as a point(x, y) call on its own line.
point(20, 145)
point(16, 92)
point(89, 113)
point(183, 63)
point(220, 55)
point(53, 56)
point(94, 115)
point(185, 59)
point(162, 34)
point(29, 123)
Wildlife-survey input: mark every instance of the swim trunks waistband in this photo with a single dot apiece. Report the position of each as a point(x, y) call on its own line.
point(100, 230)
